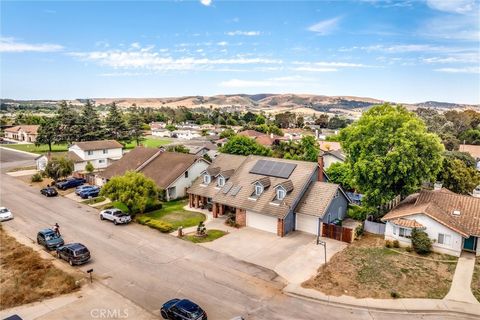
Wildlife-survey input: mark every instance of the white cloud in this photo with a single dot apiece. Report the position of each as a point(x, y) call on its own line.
point(324, 66)
point(460, 70)
point(315, 69)
point(468, 57)
point(222, 43)
point(11, 45)
point(243, 33)
point(457, 27)
point(453, 6)
point(325, 27)
point(206, 2)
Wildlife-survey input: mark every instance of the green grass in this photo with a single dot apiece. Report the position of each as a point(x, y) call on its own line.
point(22, 168)
point(150, 142)
point(94, 200)
point(116, 204)
point(211, 235)
point(172, 213)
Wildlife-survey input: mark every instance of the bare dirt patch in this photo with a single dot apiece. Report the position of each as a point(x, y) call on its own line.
point(366, 269)
point(25, 277)
point(476, 280)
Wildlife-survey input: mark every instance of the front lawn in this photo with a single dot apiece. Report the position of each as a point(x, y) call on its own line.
point(476, 280)
point(211, 235)
point(172, 214)
point(366, 269)
point(149, 142)
point(94, 200)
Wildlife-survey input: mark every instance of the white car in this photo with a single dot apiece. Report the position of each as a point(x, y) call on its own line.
point(115, 215)
point(5, 214)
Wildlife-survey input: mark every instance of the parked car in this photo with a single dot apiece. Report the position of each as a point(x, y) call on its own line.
point(49, 192)
point(89, 193)
point(74, 253)
point(70, 183)
point(115, 215)
point(5, 214)
point(84, 188)
point(182, 309)
point(49, 239)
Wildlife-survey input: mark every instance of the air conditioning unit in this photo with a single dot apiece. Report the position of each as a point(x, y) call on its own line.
point(456, 212)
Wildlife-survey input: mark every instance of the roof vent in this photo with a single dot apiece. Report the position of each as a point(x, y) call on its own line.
point(456, 212)
point(437, 186)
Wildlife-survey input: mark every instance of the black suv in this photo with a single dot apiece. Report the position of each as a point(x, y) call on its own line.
point(49, 192)
point(70, 183)
point(74, 253)
point(177, 309)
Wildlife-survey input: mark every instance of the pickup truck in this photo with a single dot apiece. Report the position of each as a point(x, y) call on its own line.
point(70, 183)
point(115, 215)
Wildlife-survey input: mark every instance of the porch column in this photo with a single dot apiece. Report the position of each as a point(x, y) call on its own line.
point(221, 209)
point(280, 228)
point(215, 210)
point(197, 199)
point(190, 200)
point(241, 217)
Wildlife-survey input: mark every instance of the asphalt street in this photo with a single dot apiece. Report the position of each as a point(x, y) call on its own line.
point(149, 267)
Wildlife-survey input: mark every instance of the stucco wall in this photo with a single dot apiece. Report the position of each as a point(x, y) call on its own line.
point(183, 183)
point(115, 154)
point(337, 208)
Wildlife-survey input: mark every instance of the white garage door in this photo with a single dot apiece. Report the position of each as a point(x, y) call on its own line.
point(306, 223)
point(262, 222)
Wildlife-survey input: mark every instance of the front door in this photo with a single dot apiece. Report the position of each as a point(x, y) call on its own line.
point(470, 243)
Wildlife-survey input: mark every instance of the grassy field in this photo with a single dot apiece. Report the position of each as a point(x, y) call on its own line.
point(25, 277)
point(211, 235)
point(173, 214)
point(476, 280)
point(150, 142)
point(366, 269)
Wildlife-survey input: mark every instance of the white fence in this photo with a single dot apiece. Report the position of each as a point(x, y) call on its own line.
point(374, 227)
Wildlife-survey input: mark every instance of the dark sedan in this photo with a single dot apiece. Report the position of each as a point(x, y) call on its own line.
point(49, 192)
point(182, 309)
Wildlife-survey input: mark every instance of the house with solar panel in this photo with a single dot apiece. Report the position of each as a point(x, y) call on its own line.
point(273, 195)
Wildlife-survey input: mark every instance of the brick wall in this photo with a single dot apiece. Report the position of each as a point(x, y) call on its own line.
point(241, 217)
point(280, 228)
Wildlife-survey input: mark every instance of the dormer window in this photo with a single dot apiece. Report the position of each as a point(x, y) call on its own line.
point(258, 189)
point(221, 181)
point(281, 193)
point(207, 179)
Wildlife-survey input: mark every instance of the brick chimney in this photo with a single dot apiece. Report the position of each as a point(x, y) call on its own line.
point(320, 168)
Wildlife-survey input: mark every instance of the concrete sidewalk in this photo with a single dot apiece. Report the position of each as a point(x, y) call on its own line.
point(462, 279)
point(20, 151)
point(391, 305)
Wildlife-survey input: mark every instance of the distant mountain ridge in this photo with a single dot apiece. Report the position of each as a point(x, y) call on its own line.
point(268, 102)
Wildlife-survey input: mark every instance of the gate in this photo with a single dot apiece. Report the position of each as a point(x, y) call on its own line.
point(339, 233)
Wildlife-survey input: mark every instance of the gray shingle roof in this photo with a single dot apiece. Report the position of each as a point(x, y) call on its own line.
point(316, 200)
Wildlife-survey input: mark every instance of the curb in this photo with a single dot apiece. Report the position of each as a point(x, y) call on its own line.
point(447, 309)
point(21, 151)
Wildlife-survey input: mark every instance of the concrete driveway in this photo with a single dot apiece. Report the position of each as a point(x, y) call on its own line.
point(295, 257)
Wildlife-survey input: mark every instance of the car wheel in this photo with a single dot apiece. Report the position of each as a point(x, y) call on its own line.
point(164, 314)
point(38, 241)
point(115, 222)
point(101, 217)
point(58, 255)
point(70, 262)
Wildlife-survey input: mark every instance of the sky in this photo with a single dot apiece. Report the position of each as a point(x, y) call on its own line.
point(402, 51)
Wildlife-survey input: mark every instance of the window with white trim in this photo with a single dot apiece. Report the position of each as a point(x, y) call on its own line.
point(280, 194)
point(404, 232)
point(221, 181)
point(394, 228)
point(105, 151)
point(207, 179)
point(101, 161)
point(258, 189)
point(89, 153)
point(444, 239)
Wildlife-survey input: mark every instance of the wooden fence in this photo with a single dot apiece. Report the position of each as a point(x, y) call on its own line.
point(337, 232)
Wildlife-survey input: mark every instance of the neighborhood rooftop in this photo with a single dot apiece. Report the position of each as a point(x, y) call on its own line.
point(98, 145)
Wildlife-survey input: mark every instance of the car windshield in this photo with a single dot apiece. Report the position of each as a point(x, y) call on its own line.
point(80, 251)
point(3, 210)
point(51, 236)
point(118, 213)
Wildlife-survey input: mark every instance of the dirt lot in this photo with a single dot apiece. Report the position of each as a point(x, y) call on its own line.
point(25, 277)
point(476, 280)
point(366, 269)
point(42, 184)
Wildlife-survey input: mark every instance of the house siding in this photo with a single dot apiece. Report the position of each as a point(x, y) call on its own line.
point(337, 208)
point(182, 183)
point(433, 228)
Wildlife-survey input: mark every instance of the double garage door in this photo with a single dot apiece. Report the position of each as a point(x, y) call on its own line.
point(307, 223)
point(262, 222)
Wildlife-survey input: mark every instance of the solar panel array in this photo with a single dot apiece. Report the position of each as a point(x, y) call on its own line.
point(273, 168)
point(227, 187)
point(235, 190)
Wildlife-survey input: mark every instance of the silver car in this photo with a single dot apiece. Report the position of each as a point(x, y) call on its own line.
point(115, 215)
point(5, 214)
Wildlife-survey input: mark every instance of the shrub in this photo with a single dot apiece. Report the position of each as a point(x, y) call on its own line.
point(396, 244)
point(153, 205)
point(231, 221)
point(359, 231)
point(359, 213)
point(408, 249)
point(421, 243)
point(37, 177)
point(388, 244)
point(394, 294)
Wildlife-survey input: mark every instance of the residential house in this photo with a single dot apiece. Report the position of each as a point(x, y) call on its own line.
point(171, 171)
point(273, 195)
point(161, 132)
point(186, 134)
point(100, 154)
point(473, 150)
point(261, 138)
point(27, 133)
point(451, 220)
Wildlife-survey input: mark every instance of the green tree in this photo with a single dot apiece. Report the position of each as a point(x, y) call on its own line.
point(260, 119)
point(135, 124)
point(115, 124)
point(389, 153)
point(421, 243)
point(284, 119)
point(249, 117)
point(322, 120)
point(178, 148)
point(68, 123)
point(90, 125)
point(339, 173)
point(227, 133)
point(89, 167)
point(47, 133)
point(245, 146)
point(470, 136)
point(59, 167)
point(464, 156)
point(170, 127)
point(132, 189)
point(458, 177)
